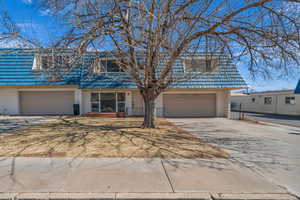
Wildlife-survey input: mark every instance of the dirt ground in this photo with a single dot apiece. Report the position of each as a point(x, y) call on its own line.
point(104, 137)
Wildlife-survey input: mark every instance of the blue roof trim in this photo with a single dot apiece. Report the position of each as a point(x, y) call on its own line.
point(16, 69)
point(297, 90)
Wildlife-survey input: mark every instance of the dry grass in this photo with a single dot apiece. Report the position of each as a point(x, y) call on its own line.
point(105, 137)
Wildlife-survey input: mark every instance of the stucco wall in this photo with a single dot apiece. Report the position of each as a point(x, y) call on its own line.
point(278, 105)
point(137, 104)
point(9, 102)
point(86, 102)
point(223, 103)
point(286, 108)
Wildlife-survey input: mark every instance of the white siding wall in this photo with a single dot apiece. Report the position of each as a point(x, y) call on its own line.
point(278, 105)
point(9, 102)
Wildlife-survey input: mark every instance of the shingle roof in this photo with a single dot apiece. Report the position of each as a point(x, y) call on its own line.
point(297, 90)
point(16, 69)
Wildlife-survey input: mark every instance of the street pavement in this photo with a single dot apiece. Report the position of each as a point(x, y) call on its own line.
point(271, 118)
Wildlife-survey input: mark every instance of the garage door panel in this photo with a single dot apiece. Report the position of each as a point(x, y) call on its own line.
point(189, 105)
point(47, 103)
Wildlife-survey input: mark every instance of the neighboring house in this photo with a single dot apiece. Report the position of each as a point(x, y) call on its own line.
point(284, 102)
point(24, 90)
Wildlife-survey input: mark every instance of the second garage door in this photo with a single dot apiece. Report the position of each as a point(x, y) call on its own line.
point(47, 103)
point(189, 105)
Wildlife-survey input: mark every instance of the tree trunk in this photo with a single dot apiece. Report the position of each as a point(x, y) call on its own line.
point(149, 101)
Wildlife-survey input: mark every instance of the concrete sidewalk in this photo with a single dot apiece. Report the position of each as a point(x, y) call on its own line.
point(143, 196)
point(110, 175)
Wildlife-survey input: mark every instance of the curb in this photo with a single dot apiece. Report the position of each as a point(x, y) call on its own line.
point(224, 196)
point(161, 196)
point(144, 196)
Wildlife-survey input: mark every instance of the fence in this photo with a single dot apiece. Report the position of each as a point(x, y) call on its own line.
point(237, 111)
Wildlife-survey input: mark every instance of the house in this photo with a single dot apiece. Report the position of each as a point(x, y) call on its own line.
point(284, 102)
point(25, 90)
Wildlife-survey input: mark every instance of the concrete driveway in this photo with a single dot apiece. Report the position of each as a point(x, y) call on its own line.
point(271, 151)
point(8, 123)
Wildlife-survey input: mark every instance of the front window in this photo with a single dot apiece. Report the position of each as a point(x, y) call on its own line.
point(268, 100)
point(108, 102)
point(290, 100)
point(200, 64)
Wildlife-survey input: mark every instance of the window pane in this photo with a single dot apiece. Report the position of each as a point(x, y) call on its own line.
point(287, 100)
point(58, 60)
point(293, 101)
point(112, 66)
point(102, 65)
point(290, 100)
point(95, 97)
point(121, 107)
point(121, 96)
point(268, 100)
point(95, 107)
point(108, 102)
point(45, 62)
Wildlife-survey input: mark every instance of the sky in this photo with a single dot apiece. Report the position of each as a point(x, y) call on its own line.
point(39, 24)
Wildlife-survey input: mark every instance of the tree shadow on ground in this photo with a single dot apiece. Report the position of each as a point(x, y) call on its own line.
point(96, 137)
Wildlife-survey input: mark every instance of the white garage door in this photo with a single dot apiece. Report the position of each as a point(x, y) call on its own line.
point(47, 103)
point(189, 105)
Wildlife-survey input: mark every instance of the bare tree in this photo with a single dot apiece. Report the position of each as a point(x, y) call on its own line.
point(11, 33)
point(147, 36)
